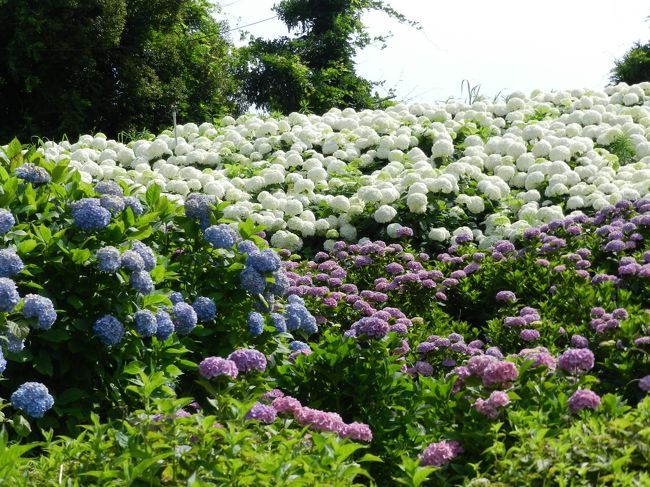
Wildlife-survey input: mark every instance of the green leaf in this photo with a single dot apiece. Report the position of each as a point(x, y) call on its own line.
point(133, 368)
point(43, 363)
point(26, 246)
point(55, 335)
point(80, 256)
point(69, 395)
point(152, 195)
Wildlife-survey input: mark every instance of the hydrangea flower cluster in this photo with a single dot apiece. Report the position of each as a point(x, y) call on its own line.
point(41, 308)
point(109, 330)
point(493, 405)
point(583, 399)
point(7, 221)
point(33, 398)
point(10, 263)
point(212, 367)
point(577, 361)
point(440, 453)
point(31, 173)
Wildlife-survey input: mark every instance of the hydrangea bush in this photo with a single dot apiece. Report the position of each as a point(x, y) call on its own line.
point(472, 299)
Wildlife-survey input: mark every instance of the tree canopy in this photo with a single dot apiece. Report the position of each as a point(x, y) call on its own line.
point(72, 66)
point(634, 66)
point(314, 69)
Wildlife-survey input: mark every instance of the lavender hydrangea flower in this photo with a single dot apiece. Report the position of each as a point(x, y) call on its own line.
point(212, 367)
point(132, 261)
point(114, 204)
point(145, 323)
point(255, 323)
point(109, 330)
point(279, 322)
point(262, 413)
point(440, 453)
point(185, 318)
point(506, 297)
point(41, 308)
point(108, 259)
point(134, 204)
point(220, 236)
point(264, 261)
point(33, 399)
point(247, 247)
point(7, 221)
point(529, 335)
point(109, 187)
point(176, 297)
point(499, 373)
point(252, 281)
point(164, 325)
point(280, 285)
point(644, 383)
point(248, 360)
point(583, 399)
point(10, 263)
point(14, 344)
point(205, 309)
point(141, 281)
point(146, 253)
point(577, 360)
point(31, 173)
point(88, 214)
point(9, 297)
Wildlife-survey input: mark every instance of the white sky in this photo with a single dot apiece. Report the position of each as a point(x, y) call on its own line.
point(501, 45)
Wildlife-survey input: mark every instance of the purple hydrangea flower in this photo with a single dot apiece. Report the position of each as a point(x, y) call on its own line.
point(529, 335)
point(211, 367)
point(583, 399)
point(440, 453)
point(577, 360)
point(262, 413)
point(248, 360)
point(145, 323)
point(506, 297)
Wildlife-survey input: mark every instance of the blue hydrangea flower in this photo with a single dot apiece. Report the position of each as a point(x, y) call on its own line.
point(10, 263)
point(114, 204)
point(14, 344)
point(247, 247)
point(299, 318)
point(146, 253)
point(220, 236)
point(184, 318)
point(3, 362)
point(280, 284)
point(132, 261)
point(9, 297)
point(41, 308)
point(295, 299)
point(279, 322)
point(7, 221)
point(164, 325)
point(109, 330)
point(145, 323)
point(33, 399)
point(108, 259)
point(176, 297)
point(141, 281)
point(31, 173)
point(135, 205)
point(252, 281)
point(298, 345)
point(109, 187)
point(199, 205)
point(263, 261)
point(255, 323)
point(205, 309)
point(88, 214)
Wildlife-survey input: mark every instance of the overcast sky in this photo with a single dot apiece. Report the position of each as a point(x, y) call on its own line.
point(501, 45)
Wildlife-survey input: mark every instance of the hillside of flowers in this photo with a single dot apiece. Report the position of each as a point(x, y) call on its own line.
point(445, 294)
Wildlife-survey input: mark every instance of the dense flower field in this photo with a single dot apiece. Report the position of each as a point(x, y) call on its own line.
point(428, 295)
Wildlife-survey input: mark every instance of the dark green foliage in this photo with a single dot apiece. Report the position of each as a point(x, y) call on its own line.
point(315, 69)
point(634, 66)
point(70, 67)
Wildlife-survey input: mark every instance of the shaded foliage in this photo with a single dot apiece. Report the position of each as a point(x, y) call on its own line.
point(70, 67)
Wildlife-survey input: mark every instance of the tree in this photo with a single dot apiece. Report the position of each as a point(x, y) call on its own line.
point(315, 69)
point(634, 66)
point(73, 66)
